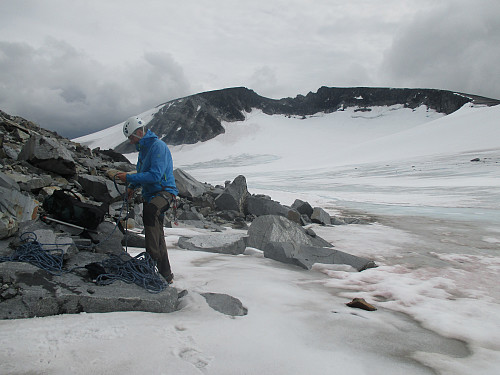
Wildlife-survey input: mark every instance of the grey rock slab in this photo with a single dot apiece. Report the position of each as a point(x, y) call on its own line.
point(43, 294)
point(8, 182)
point(284, 252)
point(306, 256)
point(309, 255)
point(234, 195)
point(19, 205)
point(100, 188)
point(225, 304)
point(222, 243)
point(304, 208)
point(187, 185)
point(261, 205)
point(274, 228)
point(48, 154)
point(320, 216)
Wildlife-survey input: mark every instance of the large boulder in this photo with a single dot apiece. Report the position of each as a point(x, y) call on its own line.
point(8, 182)
point(304, 208)
point(35, 183)
point(8, 225)
point(320, 216)
point(36, 293)
point(305, 256)
point(234, 195)
point(109, 238)
point(274, 228)
point(17, 206)
point(100, 188)
point(190, 215)
point(131, 239)
point(48, 154)
point(260, 205)
point(284, 252)
point(223, 243)
point(187, 185)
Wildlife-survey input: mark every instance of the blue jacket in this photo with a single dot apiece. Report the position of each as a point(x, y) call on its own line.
point(155, 167)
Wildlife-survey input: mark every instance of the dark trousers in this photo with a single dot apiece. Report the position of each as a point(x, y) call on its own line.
point(153, 215)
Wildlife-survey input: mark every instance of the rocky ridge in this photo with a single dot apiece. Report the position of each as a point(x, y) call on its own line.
point(35, 162)
point(197, 118)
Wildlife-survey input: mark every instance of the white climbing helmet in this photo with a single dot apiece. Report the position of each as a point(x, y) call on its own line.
point(131, 125)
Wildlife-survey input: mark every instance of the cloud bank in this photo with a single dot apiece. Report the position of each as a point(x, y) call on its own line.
point(65, 90)
point(454, 46)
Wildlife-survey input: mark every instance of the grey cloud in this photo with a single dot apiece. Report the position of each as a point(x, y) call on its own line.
point(264, 78)
point(64, 90)
point(455, 46)
point(73, 94)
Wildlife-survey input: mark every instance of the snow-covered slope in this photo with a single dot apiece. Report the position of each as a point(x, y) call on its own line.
point(111, 137)
point(263, 142)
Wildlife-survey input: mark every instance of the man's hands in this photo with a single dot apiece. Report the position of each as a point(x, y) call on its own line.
point(130, 193)
point(122, 176)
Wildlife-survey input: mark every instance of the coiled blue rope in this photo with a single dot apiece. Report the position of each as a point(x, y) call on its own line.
point(140, 270)
point(33, 252)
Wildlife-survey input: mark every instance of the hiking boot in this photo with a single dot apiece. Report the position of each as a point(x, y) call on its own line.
point(170, 278)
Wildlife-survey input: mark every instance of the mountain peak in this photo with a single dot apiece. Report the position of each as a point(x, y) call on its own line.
point(197, 118)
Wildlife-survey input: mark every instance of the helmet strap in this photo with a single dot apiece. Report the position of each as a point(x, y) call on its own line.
point(135, 135)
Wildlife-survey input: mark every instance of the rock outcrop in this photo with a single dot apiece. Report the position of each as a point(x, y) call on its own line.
point(287, 242)
point(198, 118)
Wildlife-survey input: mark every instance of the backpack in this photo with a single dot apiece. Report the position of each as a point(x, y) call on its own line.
point(66, 206)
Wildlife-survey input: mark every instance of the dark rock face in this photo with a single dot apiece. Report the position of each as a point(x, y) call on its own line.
point(234, 195)
point(48, 154)
point(304, 208)
point(197, 118)
point(259, 205)
point(98, 187)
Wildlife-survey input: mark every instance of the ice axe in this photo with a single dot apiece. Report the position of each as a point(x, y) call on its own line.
point(87, 231)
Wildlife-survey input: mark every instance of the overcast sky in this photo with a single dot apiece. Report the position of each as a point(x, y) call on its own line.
point(83, 65)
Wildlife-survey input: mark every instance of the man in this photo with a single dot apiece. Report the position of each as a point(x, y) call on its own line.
point(155, 176)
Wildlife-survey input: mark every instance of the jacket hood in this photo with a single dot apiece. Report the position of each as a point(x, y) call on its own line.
point(148, 138)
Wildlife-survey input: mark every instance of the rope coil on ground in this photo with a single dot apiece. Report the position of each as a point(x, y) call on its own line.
point(32, 251)
point(140, 270)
